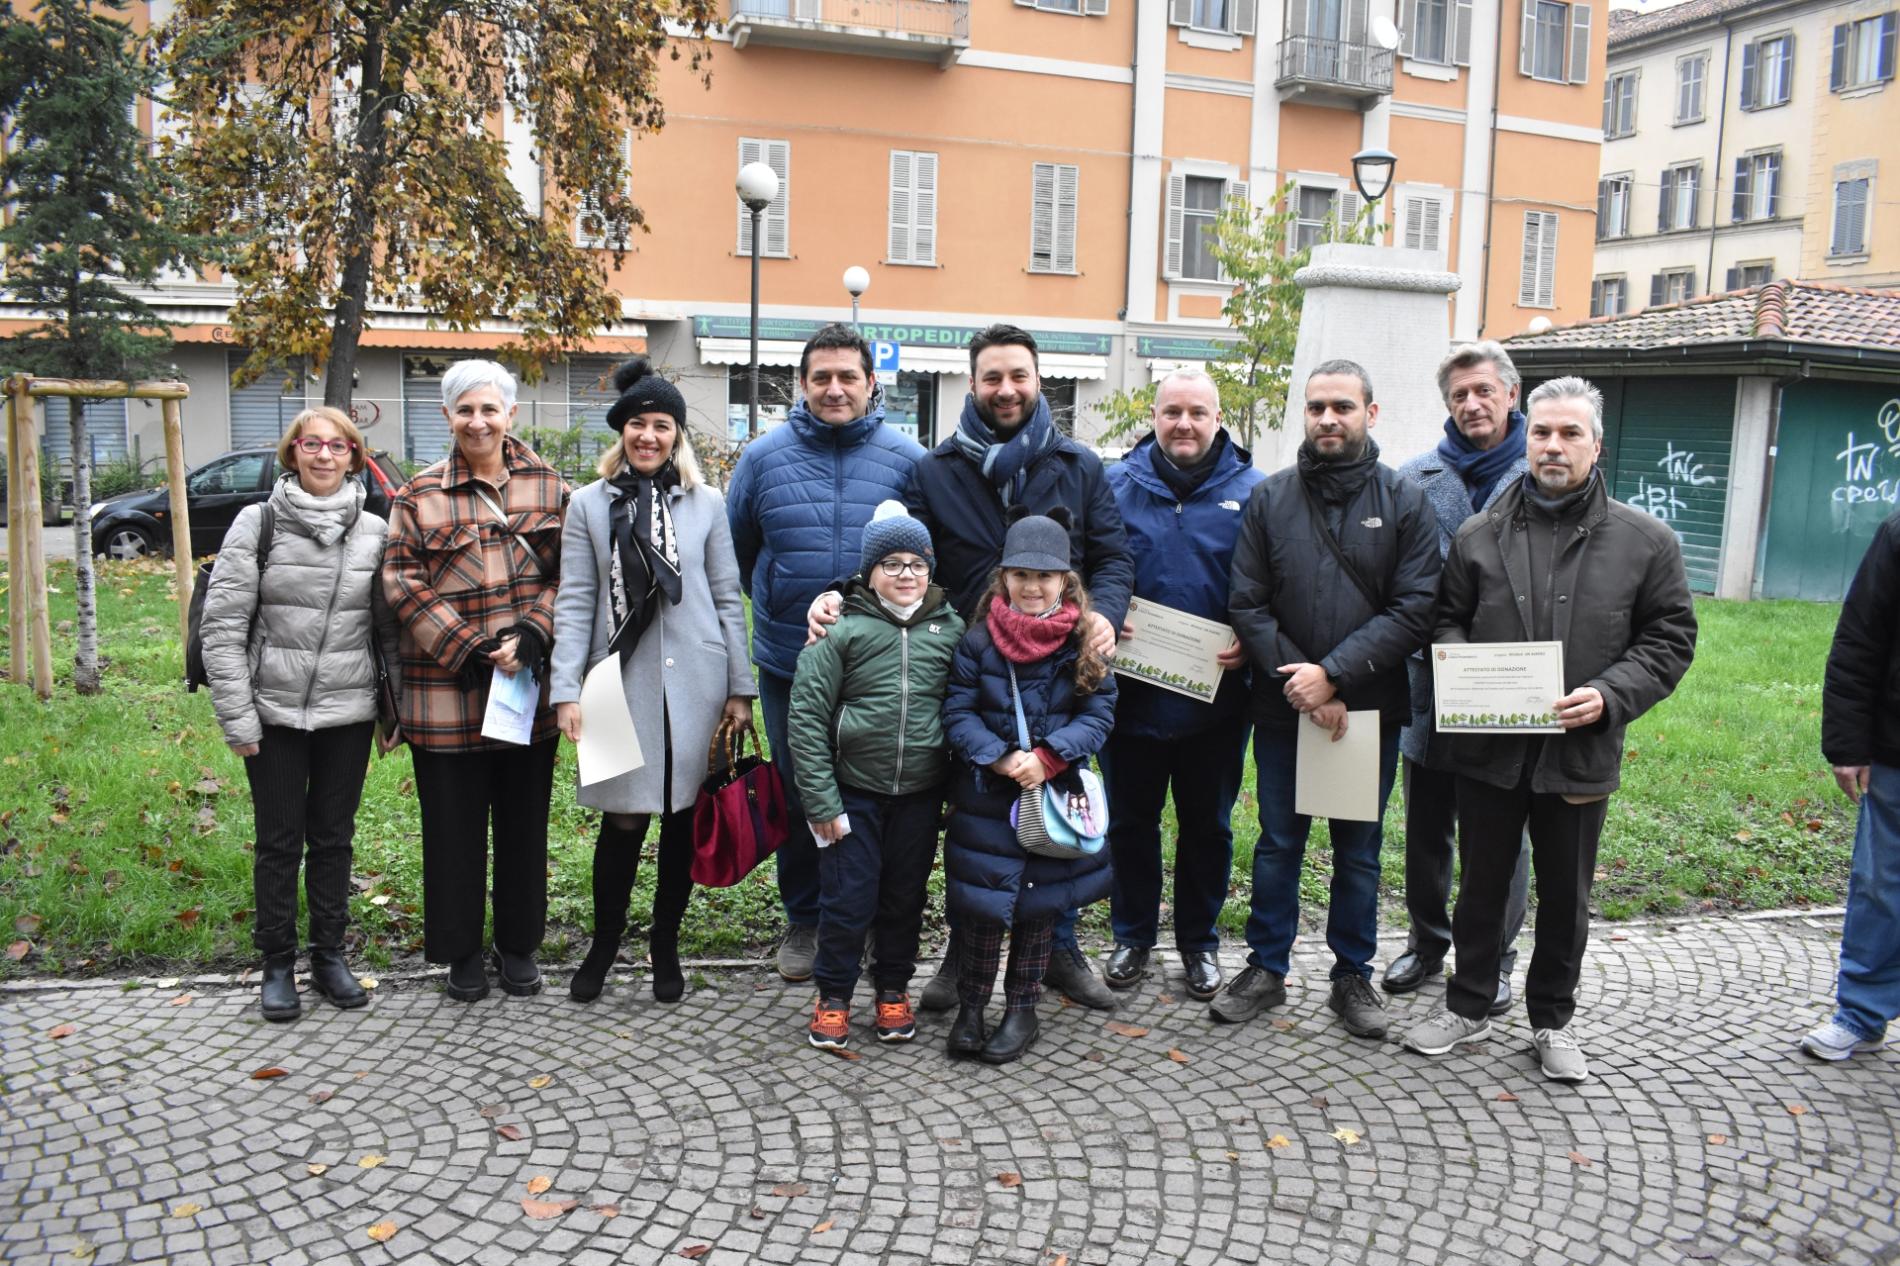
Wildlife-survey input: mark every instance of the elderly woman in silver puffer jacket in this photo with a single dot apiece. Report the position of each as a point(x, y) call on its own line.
point(294, 653)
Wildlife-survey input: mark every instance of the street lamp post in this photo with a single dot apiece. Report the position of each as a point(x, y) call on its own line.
point(856, 281)
point(757, 186)
point(1372, 172)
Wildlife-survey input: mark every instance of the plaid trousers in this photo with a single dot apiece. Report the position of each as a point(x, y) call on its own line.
point(981, 953)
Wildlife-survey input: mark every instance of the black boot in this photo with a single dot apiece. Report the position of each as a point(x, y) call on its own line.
point(668, 981)
point(332, 977)
point(616, 862)
point(591, 975)
point(278, 995)
point(1012, 1038)
point(968, 1033)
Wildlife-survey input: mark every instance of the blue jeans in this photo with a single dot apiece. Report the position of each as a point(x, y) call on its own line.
point(797, 857)
point(1205, 770)
point(1869, 987)
point(1352, 915)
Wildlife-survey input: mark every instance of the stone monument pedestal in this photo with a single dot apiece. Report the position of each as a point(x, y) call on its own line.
point(1386, 308)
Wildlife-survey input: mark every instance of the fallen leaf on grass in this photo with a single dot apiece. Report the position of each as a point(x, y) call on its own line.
point(19, 950)
point(371, 1161)
point(607, 1210)
point(1797, 1109)
point(317, 1171)
point(790, 1189)
point(380, 899)
point(1505, 1096)
point(1009, 1178)
point(187, 1210)
point(1279, 1142)
point(510, 1132)
point(491, 1110)
point(269, 1074)
point(1578, 1158)
point(695, 1251)
point(1125, 1030)
point(321, 1096)
point(1178, 1056)
point(27, 924)
point(541, 1210)
point(180, 1000)
point(64, 1030)
point(1346, 1136)
point(382, 1231)
point(1718, 1139)
point(822, 1227)
point(538, 1184)
point(540, 1083)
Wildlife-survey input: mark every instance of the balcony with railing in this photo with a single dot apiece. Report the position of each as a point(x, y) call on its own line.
point(926, 30)
point(1333, 72)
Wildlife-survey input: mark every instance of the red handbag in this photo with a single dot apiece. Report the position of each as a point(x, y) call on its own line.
point(740, 818)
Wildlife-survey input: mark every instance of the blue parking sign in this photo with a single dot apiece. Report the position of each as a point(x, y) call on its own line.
point(884, 356)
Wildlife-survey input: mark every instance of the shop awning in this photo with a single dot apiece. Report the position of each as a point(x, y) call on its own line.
point(738, 351)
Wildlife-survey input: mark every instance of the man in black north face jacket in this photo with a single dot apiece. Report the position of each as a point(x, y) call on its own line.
point(1335, 575)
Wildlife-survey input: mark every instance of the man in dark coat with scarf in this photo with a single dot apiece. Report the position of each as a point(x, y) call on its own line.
point(1481, 455)
point(1335, 573)
point(1007, 452)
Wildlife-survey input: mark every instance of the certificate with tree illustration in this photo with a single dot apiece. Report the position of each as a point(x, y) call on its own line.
point(1173, 649)
point(1497, 686)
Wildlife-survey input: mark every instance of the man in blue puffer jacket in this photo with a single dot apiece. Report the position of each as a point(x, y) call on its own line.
point(798, 503)
point(1181, 492)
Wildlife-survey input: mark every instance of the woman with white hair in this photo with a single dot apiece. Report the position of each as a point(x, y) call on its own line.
point(473, 560)
point(648, 573)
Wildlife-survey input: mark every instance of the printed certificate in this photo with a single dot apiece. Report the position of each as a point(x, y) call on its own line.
point(1497, 686)
point(1173, 649)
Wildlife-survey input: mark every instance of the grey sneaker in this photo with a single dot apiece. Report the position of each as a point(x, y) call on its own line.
point(1357, 1007)
point(1251, 992)
point(797, 954)
point(1834, 1041)
point(1442, 1030)
point(1560, 1055)
point(1071, 974)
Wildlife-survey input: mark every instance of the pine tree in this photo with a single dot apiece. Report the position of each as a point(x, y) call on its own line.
point(89, 221)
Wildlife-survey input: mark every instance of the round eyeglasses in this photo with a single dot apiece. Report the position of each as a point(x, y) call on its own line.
point(897, 567)
point(312, 446)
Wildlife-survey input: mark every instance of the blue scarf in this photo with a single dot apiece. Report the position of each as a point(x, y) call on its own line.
point(1005, 463)
point(1481, 468)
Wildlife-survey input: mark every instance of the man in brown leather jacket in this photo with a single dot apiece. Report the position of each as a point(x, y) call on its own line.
point(1554, 559)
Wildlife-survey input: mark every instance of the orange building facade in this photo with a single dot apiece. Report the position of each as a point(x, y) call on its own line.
point(1053, 163)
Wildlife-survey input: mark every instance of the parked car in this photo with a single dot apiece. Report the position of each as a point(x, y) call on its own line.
point(139, 523)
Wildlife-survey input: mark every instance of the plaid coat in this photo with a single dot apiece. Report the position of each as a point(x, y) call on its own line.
point(455, 576)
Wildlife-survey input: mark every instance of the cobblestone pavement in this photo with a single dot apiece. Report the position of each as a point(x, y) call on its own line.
point(143, 1135)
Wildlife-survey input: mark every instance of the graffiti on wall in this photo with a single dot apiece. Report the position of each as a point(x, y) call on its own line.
point(1860, 484)
point(1680, 472)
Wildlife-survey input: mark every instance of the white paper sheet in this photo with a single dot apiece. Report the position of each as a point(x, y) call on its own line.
point(1339, 780)
point(511, 702)
point(609, 747)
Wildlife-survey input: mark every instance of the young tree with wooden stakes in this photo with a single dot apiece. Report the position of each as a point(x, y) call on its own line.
point(90, 218)
point(354, 148)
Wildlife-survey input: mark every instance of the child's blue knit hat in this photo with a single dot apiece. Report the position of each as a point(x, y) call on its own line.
point(892, 531)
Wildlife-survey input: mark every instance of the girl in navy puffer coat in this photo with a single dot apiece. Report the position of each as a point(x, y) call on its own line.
point(1030, 622)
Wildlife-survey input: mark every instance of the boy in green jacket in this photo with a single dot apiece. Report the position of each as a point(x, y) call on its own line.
point(869, 758)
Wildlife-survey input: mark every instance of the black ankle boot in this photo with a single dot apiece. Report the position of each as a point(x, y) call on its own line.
point(332, 977)
point(591, 976)
point(668, 981)
point(278, 995)
point(968, 1032)
point(1012, 1038)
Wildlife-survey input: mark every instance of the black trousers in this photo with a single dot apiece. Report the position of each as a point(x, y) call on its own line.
point(1564, 839)
point(877, 878)
point(460, 794)
point(305, 787)
point(1431, 840)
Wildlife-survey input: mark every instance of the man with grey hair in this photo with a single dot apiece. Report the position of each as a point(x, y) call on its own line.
point(1554, 559)
point(1335, 572)
point(1480, 457)
point(1180, 492)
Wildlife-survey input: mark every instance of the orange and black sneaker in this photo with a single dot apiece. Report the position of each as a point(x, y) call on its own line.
point(831, 1024)
point(896, 1022)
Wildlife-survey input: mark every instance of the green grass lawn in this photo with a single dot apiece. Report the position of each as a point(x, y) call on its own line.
point(125, 823)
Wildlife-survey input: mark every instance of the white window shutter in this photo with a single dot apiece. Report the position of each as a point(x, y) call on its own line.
point(1180, 12)
point(1461, 33)
point(1042, 218)
point(1237, 195)
point(1243, 16)
point(1432, 233)
point(1412, 221)
point(1547, 262)
point(1346, 210)
point(778, 216)
point(1177, 205)
point(750, 151)
point(1527, 265)
point(897, 245)
point(1579, 43)
point(1066, 182)
point(1527, 40)
point(924, 209)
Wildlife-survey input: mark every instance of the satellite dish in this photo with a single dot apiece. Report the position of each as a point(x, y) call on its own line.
point(1384, 34)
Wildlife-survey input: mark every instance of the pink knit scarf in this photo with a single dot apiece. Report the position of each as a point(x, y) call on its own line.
point(1026, 639)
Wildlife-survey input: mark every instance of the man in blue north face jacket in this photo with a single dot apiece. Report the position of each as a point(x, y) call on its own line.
point(798, 503)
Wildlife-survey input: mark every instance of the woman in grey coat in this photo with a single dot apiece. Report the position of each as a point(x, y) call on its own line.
point(293, 651)
point(648, 572)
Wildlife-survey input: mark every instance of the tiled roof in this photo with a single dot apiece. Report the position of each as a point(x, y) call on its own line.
point(1628, 24)
point(1783, 311)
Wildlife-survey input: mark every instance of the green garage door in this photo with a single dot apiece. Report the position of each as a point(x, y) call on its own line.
point(1669, 457)
point(1837, 475)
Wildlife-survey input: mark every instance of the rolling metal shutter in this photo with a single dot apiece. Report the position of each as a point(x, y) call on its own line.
point(261, 412)
point(425, 432)
point(590, 390)
point(1671, 460)
point(1836, 477)
point(105, 431)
